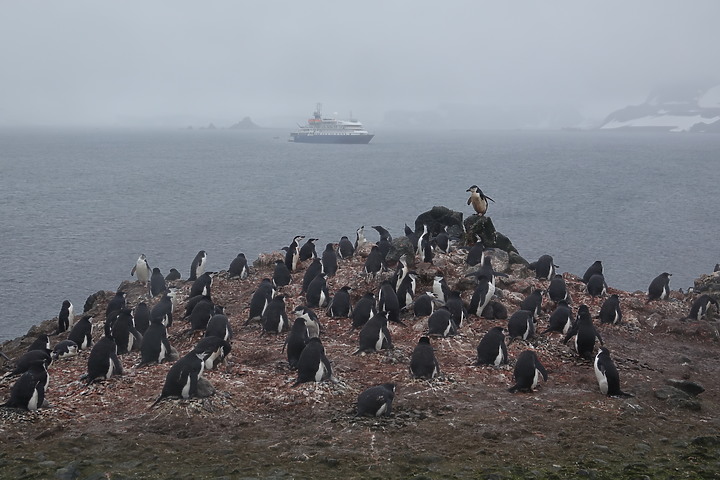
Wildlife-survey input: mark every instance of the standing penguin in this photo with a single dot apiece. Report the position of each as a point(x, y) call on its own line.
point(292, 256)
point(141, 315)
point(281, 274)
point(376, 401)
point(239, 267)
point(307, 251)
point(521, 324)
point(560, 319)
point(157, 282)
point(607, 375)
point(126, 336)
point(103, 361)
point(373, 262)
point(557, 290)
point(28, 392)
point(164, 309)
point(260, 300)
point(533, 303)
point(456, 306)
point(442, 241)
point(388, 301)
point(66, 317)
point(142, 269)
point(364, 310)
point(482, 295)
point(219, 325)
point(544, 267)
point(596, 286)
point(295, 342)
point(478, 200)
point(310, 273)
point(313, 365)
point(440, 287)
point(406, 290)
point(275, 318)
point(610, 310)
point(441, 323)
point(360, 239)
point(197, 267)
point(345, 248)
point(116, 303)
point(584, 332)
point(476, 253)
point(329, 260)
point(700, 307)
point(340, 306)
point(317, 295)
point(155, 345)
point(401, 271)
point(528, 370)
point(202, 285)
point(81, 333)
point(596, 267)
point(659, 288)
point(423, 363)
point(375, 335)
point(492, 350)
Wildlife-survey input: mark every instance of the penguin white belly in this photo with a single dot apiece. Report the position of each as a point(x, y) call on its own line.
point(379, 343)
point(131, 340)
point(111, 368)
point(163, 352)
point(447, 329)
point(71, 316)
point(33, 403)
point(227, 333)
point(186, 388)
point(566, 327)
point(320, 373)
point(499, 358)
point(616, 319)
point(602, 379)
point(322, 299)
point(536, 379)
point(381, 410)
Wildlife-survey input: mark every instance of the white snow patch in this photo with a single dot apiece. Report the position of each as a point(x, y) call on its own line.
point(674, 123)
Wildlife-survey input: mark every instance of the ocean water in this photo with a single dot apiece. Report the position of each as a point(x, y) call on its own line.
point(79, 206)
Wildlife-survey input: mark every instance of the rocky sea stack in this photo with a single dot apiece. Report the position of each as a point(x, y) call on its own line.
point(462, 424)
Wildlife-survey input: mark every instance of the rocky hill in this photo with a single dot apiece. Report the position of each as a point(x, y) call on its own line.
point(676, 109)
point(463, 424)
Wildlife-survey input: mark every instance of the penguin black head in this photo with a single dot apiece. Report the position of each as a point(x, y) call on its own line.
point(424, 339)
point(473, 189)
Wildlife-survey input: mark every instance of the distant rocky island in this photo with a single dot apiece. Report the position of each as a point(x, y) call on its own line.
point(671, 109)
point(244, 124)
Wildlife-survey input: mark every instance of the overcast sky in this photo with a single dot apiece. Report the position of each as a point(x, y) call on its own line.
point(106, 63)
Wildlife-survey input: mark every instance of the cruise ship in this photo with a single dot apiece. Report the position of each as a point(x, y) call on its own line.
point(330, 130)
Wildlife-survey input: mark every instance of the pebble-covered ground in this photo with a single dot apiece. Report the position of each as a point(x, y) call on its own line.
point(463, 424)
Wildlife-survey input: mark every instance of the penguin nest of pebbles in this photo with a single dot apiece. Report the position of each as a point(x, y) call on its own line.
point(254, 384)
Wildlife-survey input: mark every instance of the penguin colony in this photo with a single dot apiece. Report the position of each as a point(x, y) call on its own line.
point(390, 298)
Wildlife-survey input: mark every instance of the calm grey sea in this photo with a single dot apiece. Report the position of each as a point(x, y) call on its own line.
point(78, 207)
